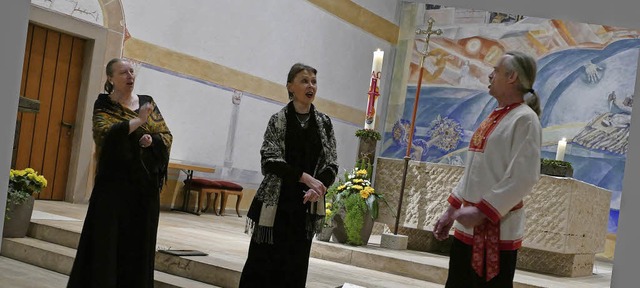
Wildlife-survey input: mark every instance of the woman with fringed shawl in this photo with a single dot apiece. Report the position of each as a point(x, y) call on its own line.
point(298, 163)
point(117, 244)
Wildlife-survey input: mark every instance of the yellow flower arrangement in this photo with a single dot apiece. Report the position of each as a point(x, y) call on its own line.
point(22, 185)
point(354, 196)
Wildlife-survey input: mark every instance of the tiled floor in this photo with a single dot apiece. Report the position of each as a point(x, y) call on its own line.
point(224, 240)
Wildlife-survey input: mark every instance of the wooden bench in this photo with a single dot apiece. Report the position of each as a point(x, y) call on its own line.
point(216, 187)
point(204, 187)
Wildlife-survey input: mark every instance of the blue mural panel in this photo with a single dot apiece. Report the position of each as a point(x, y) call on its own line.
point(587, 97)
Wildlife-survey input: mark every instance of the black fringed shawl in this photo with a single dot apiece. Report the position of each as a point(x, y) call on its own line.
point(273, 150)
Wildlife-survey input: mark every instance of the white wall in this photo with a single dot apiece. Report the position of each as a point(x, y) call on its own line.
point(258, 38)
point(263, 39)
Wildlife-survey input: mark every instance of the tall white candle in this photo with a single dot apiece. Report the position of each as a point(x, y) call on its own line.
point(372, 103)
point(562, 146)
point(376, 67)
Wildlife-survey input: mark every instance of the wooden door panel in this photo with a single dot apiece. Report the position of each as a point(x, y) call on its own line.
point(23, 85)
point(69, 117)
point(52, 74)
point(32, 89)
point(54, 131)
point(45, 96)
point(27, 53)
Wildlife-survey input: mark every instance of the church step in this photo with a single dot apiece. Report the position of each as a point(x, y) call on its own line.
point(417, 265)
point(16, 274)
point(201, 270)
point(431, 268)
point(52, 234)
point(58, 258)
point(428, 267)
point(40, 253)
point(204, 269)
point(165, 280)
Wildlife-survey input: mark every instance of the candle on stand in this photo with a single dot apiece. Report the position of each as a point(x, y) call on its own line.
point(376, 67)
point(562, 146)
point(374, 89)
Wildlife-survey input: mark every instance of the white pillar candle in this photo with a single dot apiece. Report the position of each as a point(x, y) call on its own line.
point(562, 146)
point(376, 67)
point(374, 88)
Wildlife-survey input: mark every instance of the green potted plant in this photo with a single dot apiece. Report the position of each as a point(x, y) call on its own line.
point(368, 134)
point(22, 185)
point(556, 168)
point(355, 205)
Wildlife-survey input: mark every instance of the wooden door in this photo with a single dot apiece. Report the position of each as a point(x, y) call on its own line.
point(52, 74)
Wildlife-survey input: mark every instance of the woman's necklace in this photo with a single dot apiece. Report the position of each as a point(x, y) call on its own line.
point(302, 122)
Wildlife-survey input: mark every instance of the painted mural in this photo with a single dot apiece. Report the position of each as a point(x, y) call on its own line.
point(586, 82)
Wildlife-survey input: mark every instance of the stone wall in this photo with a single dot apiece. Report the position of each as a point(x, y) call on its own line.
point(566, 218)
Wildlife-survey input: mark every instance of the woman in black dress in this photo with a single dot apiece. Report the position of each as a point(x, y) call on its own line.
point(117, 244)
point(298, 160)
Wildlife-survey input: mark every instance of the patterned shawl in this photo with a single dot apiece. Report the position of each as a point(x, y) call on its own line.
point(273, 150)
point(108, 114)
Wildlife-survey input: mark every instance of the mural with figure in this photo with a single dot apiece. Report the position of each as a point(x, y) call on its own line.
point(586, 82)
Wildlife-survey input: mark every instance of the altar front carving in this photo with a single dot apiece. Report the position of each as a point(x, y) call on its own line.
point(566, 219)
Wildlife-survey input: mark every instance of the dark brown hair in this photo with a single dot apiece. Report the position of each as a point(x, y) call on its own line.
point(108, 87)
point(295, 69)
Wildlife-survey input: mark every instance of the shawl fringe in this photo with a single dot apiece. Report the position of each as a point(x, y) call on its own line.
point(259, 234)
point(263, 234)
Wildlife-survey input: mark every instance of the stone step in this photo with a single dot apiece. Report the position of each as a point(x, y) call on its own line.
point(210, 269)
point(432, 268)
point(427, 269)
point(413, 264)
point(165, 280)
point(40, 253)
point(58, 258)
point(203, 269)
point(17, 274)
point(53, 234)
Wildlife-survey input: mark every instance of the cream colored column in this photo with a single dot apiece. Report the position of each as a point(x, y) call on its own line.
point(14, 17)
point(231, 137)
point(398, 93)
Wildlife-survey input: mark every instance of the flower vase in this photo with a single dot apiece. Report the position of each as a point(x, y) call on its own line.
point(19, 218)
point(367, 149)
point(340, 232)
point(325, 234)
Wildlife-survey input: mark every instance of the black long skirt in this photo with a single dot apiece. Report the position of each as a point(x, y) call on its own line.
point(117, 244)
point(462, 275)
point(285, 262)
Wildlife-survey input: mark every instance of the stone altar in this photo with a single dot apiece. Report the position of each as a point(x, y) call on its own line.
point(566, 218)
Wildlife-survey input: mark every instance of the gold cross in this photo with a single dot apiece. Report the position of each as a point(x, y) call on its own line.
point(429, 31)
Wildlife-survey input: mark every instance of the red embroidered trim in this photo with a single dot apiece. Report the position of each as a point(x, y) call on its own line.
point(506, 245)
point(454, 201)
point(485, 241)
point(479, 138)
point(491, 212)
